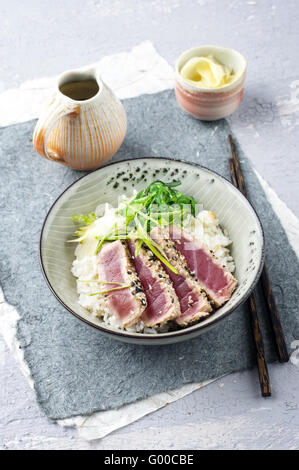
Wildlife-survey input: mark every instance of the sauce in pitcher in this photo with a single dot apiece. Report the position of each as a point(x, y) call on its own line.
point(80, 90)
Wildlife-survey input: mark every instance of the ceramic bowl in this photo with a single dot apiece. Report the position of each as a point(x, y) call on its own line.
point(211, 104)
point(215, 193)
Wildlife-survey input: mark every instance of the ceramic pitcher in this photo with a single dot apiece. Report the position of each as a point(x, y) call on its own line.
point(84, 124)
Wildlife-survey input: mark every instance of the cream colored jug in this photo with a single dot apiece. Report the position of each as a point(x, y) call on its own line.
point(81, 132)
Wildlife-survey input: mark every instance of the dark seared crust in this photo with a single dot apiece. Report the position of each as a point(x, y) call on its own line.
point(229, 275)
point(179, 262)
point(136, 289)
point(233, 281)
point(136, 286)
point(162, 277)
point(196, 318)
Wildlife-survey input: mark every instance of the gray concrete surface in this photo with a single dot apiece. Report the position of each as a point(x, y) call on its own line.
point(40, 38)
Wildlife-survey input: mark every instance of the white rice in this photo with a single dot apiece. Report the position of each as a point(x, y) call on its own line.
point(206, 228)
point(209, 232)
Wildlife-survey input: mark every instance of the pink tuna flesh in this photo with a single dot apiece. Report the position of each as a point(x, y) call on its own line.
point(162, 303)
point(114, 265)
point(193, 302)
point(216, 280)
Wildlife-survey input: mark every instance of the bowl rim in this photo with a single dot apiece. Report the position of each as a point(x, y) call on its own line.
point(198, 89)
point(141, 337)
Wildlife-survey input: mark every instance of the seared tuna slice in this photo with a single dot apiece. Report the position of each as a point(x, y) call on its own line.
point(214, 278)
point(162, 302)
point(193, 301)
point(114, 264)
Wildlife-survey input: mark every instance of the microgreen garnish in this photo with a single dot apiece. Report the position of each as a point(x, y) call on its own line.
point(84, 219)
point(158, 204)
point(125, 286)
point(104, 282)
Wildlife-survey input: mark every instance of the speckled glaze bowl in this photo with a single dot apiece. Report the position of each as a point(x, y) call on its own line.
point(211, 104)
point(106, 184)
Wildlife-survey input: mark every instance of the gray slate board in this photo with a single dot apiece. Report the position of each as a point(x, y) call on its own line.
point(75, 369)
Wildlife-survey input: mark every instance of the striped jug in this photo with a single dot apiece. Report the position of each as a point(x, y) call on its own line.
point(83, 125)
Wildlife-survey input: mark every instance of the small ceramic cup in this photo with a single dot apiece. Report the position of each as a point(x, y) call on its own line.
point(206, 103)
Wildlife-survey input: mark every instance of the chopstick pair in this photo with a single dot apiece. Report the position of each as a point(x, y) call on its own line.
point(283, 356)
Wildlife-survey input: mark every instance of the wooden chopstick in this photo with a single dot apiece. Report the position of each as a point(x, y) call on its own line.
point(255, 323)
point(238, 172)
point(280, 342)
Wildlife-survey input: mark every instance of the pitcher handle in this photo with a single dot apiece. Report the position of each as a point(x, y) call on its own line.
point(45, 124)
